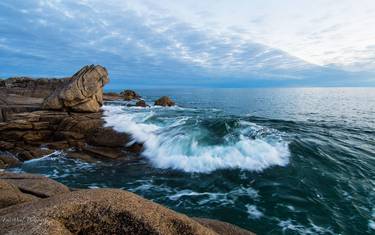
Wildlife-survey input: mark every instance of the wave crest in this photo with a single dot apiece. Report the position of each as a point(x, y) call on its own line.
point(194, 144)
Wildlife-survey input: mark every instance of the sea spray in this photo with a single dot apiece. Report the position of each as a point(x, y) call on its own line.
point(194, 141)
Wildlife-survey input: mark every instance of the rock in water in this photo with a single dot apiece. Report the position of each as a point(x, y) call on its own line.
point(141, 103)
point(164, 101)
point(130, 95)
point(83, 93)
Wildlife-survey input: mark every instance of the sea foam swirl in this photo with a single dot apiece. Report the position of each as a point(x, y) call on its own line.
point(192, 141)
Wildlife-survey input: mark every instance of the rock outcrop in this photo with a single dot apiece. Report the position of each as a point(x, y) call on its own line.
point(97, 211)
point(164, 101)
point(130, 95)
point(75, 124)
point(36, 88)
point(83, 92)
point(35, 185)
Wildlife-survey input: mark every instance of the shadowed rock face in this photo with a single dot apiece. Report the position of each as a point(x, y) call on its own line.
point(83, 92)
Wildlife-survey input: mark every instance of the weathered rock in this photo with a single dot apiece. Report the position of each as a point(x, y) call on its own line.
point(130, 95)
point(104, 136)
point(11, 195)
point(112, 96)
point(104, 152)
point(25, 86)
point(222, 227)
point(141, 103)
point(27, 131)
point(97, 211)
point(91, 211)
point(36, 185)
point(83, 92)
point(7, 160)
point(164, 101)
point(4, 145)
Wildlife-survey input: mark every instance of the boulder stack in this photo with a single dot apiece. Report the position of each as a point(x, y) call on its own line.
point(83, 92)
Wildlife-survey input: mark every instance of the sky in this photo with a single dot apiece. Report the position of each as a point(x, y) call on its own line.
point(189, 43)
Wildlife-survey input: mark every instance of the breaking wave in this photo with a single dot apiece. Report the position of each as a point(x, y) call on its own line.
point(198, 140)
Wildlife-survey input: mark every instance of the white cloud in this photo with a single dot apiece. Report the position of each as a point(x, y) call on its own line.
point(321, 32)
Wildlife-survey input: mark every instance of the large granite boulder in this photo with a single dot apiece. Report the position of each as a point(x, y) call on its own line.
point(164, 101)
point(91, 211)
point(96, 211)
point(83, 92)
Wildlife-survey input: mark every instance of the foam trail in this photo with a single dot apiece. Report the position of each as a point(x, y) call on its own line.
point(171, 143)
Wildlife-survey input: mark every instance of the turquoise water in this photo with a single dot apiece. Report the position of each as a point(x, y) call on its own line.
point(274, 161)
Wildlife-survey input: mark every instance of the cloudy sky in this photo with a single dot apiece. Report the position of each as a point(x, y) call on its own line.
point(147, 43)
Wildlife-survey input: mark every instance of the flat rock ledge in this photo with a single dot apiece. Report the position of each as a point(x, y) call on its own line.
point(90, 211)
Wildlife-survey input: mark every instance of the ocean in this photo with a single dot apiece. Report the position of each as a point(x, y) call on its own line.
point(273, 161)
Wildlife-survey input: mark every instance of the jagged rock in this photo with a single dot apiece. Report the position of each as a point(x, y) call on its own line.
point(36, 185)
point(164, 101)
point(130, 95)
point(83, 92)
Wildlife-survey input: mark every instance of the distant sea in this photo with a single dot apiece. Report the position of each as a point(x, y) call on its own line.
point(274, 161)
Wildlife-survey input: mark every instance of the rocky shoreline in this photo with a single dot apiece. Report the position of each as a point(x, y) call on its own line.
point(40, 116)
point(33, 204)
point(44, 115)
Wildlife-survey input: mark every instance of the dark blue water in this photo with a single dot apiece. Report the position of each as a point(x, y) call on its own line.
point(274, 161)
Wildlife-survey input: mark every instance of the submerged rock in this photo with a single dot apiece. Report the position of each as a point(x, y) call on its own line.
point(83, 92)
point(164, 101)
point(130, 95)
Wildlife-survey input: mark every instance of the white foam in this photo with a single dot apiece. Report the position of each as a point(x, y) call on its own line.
point(179, 149)
point(253, 212)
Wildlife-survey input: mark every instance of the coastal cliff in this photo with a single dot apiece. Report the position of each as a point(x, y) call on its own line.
point(40, 116)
